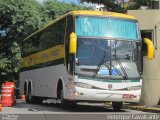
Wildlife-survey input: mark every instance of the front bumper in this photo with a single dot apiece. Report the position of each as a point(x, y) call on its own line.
point(82, 94)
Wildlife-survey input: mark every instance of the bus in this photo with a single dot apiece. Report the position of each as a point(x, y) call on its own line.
point(84, 56)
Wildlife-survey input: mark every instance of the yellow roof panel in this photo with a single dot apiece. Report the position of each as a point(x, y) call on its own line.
point(102, 13)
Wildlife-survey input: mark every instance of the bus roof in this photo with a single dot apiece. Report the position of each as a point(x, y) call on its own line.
point(87, 13)
point(102, 13)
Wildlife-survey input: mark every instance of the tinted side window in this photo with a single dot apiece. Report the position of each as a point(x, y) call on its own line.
point(69, 29)
point(47, 38)
point(31, 46)
point(60, 33)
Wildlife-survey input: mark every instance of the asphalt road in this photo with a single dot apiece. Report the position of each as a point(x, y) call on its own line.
point(23, 111)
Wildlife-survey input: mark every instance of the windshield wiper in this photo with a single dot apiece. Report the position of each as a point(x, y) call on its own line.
point(100, 64)
point(120, 64)
point(122, 68)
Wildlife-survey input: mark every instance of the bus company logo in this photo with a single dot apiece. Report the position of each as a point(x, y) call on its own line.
point(110, 86)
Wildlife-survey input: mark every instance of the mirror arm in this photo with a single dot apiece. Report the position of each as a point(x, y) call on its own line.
point(72, 63)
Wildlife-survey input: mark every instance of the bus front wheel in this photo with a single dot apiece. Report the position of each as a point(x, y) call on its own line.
point(64, 103)
point(117, 106)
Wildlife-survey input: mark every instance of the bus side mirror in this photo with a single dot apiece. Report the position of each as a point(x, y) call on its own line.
point(72, 51)
point(150, 48)
point(73, 43)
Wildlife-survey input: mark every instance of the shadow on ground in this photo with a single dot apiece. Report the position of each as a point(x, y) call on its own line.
point(57, 108)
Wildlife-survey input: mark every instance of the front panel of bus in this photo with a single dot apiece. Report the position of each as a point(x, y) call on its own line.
point(108, 59)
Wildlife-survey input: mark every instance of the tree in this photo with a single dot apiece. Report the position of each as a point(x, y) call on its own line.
point(135, 4)
point(120, 5)
point(110, 5)
point(55, 8)
point(18, 18)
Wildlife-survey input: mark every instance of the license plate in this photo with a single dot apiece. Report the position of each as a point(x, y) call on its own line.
point(130, 96)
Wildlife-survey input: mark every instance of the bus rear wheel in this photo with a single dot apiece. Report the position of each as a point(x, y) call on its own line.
point(33, 99)
point(117, 106)
point(29, 97)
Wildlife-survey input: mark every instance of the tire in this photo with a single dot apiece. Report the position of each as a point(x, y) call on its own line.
point(25, 92)
point(29, 99)
point(64, 103)
point(32, 99)
point(117, 106)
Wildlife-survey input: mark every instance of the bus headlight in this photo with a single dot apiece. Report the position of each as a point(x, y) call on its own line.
point(83, 85)
point(134, 88)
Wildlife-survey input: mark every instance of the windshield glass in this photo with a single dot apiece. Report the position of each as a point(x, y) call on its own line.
point(108, 58)
point(117, 28)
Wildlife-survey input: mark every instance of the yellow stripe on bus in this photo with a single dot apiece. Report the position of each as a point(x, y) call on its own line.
point(48, 55)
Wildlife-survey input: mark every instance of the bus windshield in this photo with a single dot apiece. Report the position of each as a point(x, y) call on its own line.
point(102, 57)
point(108, 47)
point(107, 27)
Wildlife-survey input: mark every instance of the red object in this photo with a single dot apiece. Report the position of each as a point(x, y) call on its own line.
point(129, 96)
point(7, 94)
point(0, 107)
point(23, 97)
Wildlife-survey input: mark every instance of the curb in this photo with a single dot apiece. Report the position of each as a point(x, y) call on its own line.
point(144, 108)
point(152, 109)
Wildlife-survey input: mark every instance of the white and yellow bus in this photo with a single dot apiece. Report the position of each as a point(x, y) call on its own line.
point(91, 56)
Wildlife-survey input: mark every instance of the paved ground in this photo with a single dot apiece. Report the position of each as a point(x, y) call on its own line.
point(23, 111)
point(22, 107)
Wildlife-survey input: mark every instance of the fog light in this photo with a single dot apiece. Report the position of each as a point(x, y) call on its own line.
point(78, 94)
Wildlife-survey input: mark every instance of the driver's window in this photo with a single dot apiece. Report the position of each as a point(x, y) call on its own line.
point(85, 52)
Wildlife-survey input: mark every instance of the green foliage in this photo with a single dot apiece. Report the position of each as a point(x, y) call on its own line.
point(15, 57)
point(55, 8)
point(120, 5)
point(110, 5)
point(4, 65)
point(10, 64)
point(18, 18)
point(135, 4)
point(143, 2)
